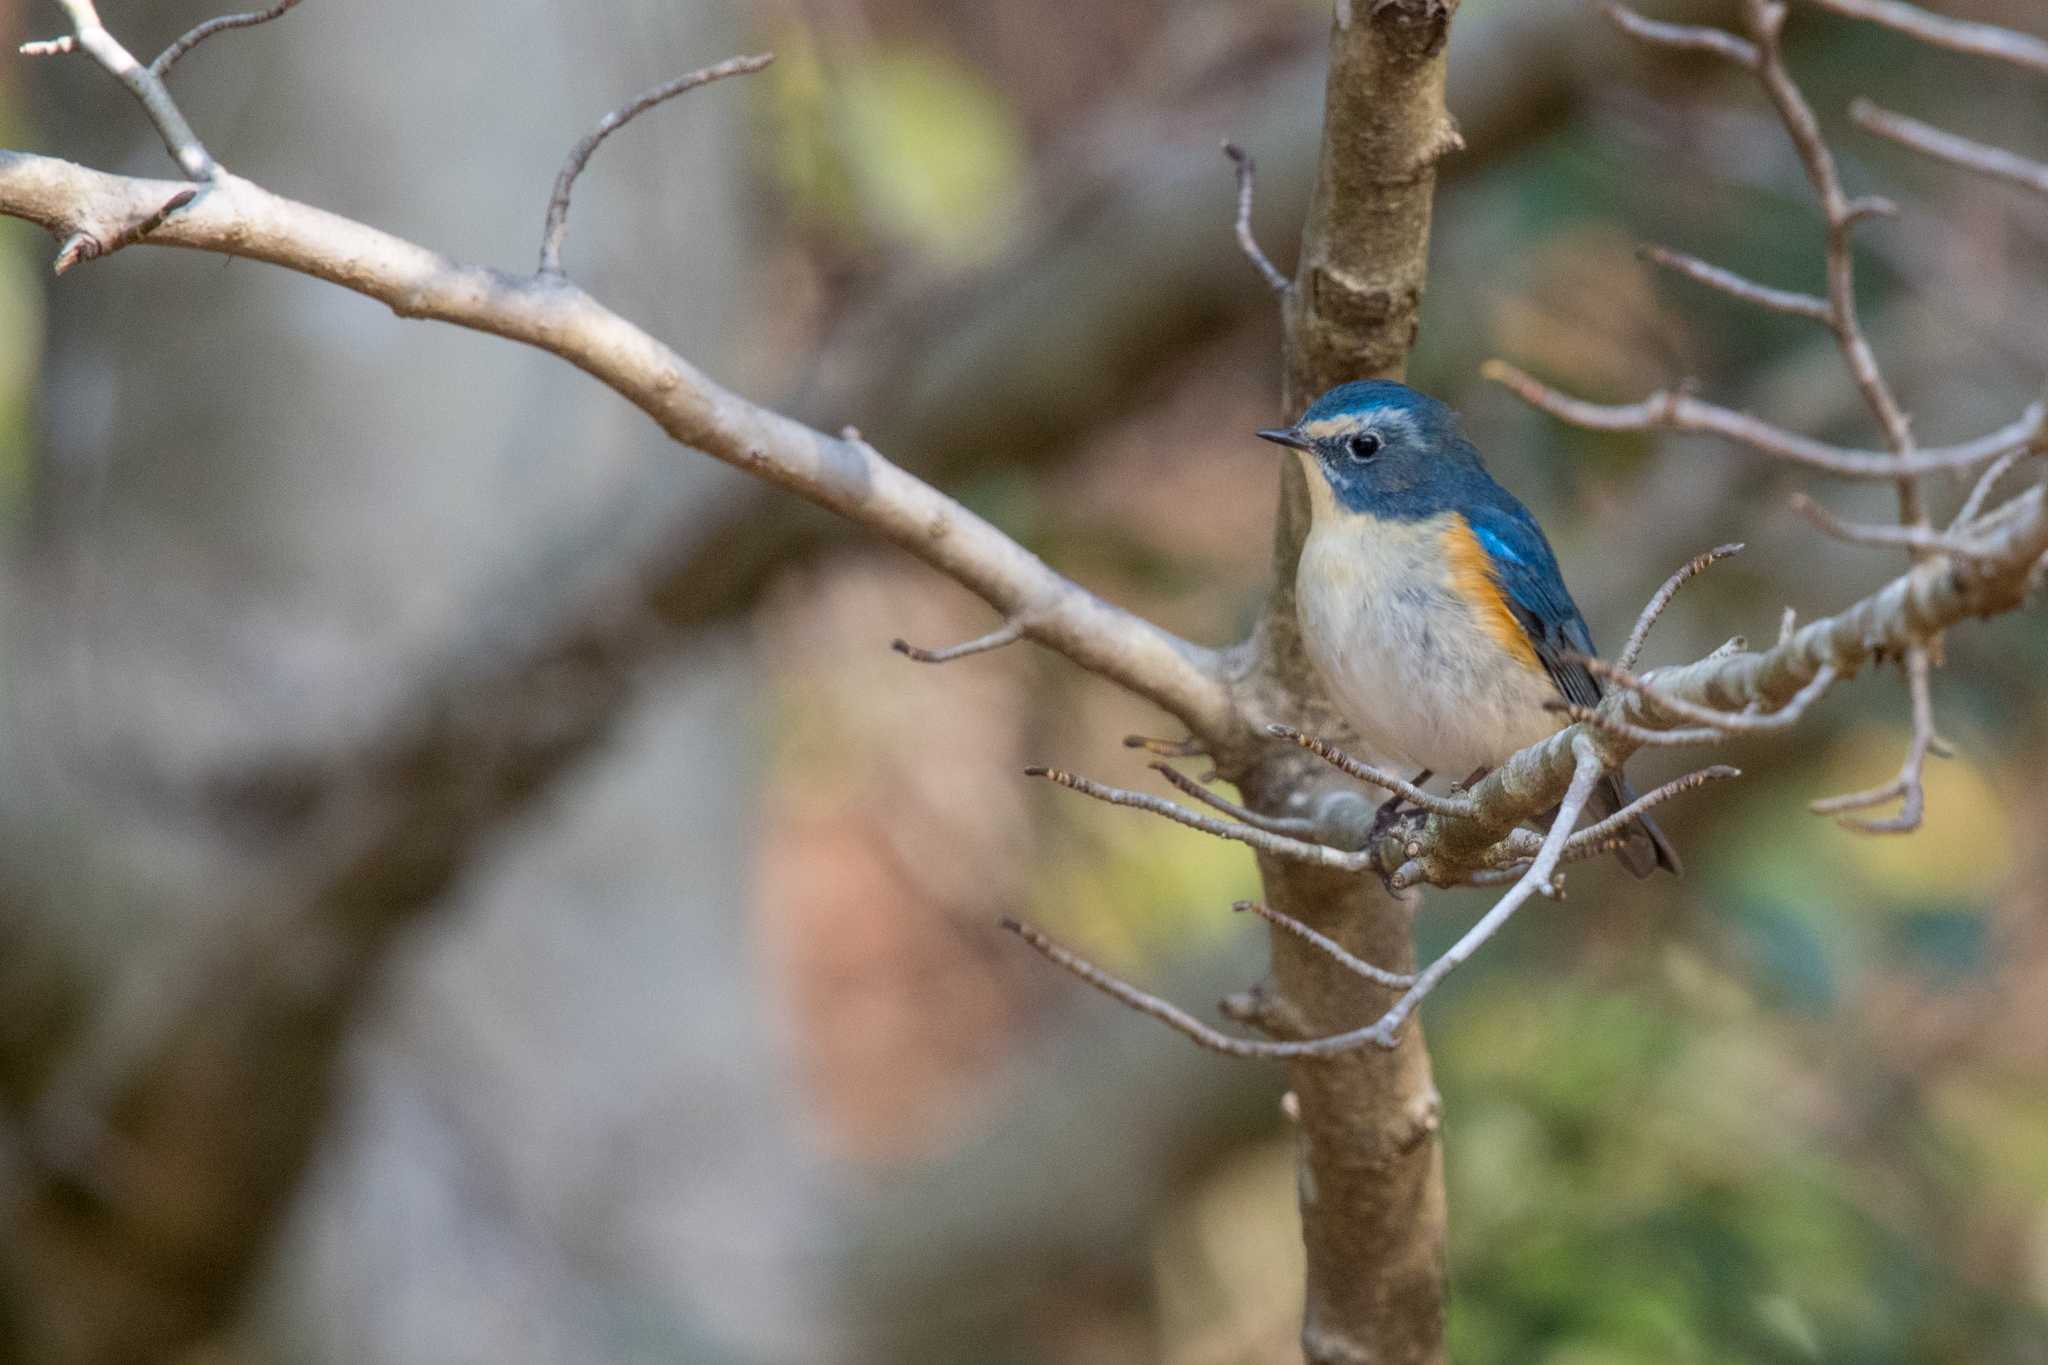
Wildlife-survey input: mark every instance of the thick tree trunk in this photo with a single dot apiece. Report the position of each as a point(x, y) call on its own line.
point(1371, 1167)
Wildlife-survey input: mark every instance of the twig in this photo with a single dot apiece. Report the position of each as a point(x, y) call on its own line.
point(1988, 480)
point(1669, 411)
point(1450, 806)
point(83, 245)
point(1957, 35)
point(1608, 723)
point(149, 90)
point(1728, 722)
point(556, 227)
point(1246, 242)
point(1168, 748)
point(1956, 150)
point(1766, 19)
point(1799, 305)
point(171, 55)
point(1599, 833)
point(1336, 951)
point(1279, 845)
point(50, 47)
point(1384, 1032)
point(1921, 538)
point(1288, 826)
point(1681, 37)
point(1906, 787)
point(1586, 772)
point(1007, 633)
point(1633, 650)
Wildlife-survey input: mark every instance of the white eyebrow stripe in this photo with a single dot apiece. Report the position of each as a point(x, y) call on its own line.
point(1391, 423)
point(1323, 428)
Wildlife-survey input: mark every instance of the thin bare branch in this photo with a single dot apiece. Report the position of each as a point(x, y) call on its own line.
point(50, 47)
point(1586, 773)
point(1451, 806)
point(1789, 301)
point(1384, 1032)
point(1766, 20)
point(556, 228)
point(1288, 826)
point(1008, 633)
point(1669, 411)
point(1168, 748)
point(1124, 993)
point(173, 54)
point(1599, 834)
point(237, 218)
point(1633, 650)
point(1957, 35)
point(1642, 736)
point(1906, 788)
point(84, 245)
point(1986, 482)
point(1727, 722)
point(1928, 140)
point(1246, 241)
point(149, 90)
point(1279, 845)
point(1681, 37)
point(1920, 538)
point(1336, 951)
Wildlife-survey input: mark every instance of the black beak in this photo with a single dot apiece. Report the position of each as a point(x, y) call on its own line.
point(1286, 436)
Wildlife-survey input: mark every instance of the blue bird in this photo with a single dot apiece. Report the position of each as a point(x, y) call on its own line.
point(1429, 600)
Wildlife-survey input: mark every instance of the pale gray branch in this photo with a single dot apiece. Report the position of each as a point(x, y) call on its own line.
point(1246, 241)
point(1928, 140)
point(237, 218)
point(143, 83)
point(556, 228)
point(1007, 633)
point(1788, 301)
point(1713, 42)
point(1654, 609)
point(1681, 412)
point(1336, 951)
point(171, 55)
point(1957, 35)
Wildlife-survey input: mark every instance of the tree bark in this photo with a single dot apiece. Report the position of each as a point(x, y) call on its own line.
point(1370, 1163)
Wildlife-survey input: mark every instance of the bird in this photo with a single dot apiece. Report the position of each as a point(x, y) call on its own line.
point(1430, 601)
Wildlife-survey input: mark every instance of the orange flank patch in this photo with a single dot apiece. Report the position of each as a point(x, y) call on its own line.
point(1474, 581)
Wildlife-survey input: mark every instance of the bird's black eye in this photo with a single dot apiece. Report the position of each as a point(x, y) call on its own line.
point(1363, 446)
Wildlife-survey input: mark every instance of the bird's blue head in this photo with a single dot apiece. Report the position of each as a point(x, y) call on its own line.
point(1382, 449)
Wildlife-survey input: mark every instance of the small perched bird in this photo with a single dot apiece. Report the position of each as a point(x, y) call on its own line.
point(1429, 599)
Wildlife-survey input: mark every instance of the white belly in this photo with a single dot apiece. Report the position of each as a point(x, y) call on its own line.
point(1408, 663)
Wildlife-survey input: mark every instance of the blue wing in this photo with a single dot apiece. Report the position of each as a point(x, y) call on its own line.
point(1528, 575)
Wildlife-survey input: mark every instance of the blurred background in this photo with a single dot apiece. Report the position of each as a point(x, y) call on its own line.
point(475, 884)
